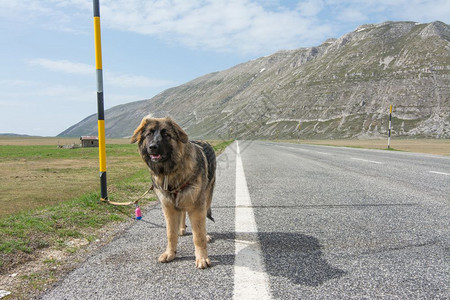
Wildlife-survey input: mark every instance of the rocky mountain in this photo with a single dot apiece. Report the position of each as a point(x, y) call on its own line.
point(340, 89)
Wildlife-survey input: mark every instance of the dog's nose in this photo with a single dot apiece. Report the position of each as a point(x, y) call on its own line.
point(153, 146)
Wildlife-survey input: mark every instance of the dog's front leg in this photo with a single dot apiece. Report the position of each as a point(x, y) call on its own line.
point(173, 217)
point(198, 223)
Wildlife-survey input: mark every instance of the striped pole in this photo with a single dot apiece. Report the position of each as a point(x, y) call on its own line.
point(100, 107)
point(390, 123)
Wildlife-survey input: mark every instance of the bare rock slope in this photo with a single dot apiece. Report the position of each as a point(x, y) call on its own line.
point(340, 89)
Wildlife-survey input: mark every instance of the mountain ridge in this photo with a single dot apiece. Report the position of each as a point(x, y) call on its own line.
point(339, 89)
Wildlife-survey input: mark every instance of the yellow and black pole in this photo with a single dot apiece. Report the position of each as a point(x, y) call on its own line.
point(390, 124)
point(100, 107)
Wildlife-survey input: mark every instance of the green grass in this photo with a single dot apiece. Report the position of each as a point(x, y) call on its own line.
point(10, 152)
point(220, 146)
point(26, 233)
point(40, 152)
point(51, 226)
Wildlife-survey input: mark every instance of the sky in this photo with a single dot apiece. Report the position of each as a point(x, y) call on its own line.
point(47, 61)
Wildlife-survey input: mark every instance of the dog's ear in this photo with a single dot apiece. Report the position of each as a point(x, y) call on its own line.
point(137, 135)
point(181, 134)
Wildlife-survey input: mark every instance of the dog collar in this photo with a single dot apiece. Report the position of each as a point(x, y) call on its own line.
point(174, 191)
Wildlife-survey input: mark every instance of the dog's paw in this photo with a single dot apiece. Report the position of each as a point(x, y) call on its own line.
point(208, 238)
point(166, 257)
point(202, 262)
point(182, 231)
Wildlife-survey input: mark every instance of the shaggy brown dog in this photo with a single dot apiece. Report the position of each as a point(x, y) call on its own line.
point(183, 175)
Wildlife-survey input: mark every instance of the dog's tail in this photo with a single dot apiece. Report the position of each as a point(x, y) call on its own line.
point(209, 215)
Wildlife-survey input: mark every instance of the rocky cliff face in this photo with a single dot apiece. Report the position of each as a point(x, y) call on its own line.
point(340, 89)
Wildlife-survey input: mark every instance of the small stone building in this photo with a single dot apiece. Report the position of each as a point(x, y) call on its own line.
point(89, 141)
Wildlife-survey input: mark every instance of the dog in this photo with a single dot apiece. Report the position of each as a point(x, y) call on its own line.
point(183, 176)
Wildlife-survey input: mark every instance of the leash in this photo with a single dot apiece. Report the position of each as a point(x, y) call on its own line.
point(138, 209)
point(127, 203)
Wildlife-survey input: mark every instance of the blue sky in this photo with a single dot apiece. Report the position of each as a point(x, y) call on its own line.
point(47, 64)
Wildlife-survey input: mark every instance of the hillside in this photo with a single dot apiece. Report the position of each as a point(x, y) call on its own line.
point(340, 89)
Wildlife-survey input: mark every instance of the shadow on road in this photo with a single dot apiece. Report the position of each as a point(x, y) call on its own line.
point(295, 256)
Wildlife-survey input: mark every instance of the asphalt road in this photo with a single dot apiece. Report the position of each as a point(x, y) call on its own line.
point(326, 223)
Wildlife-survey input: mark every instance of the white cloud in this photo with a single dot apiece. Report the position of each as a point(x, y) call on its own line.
point(250, 27)
point(64, 66)
point(246, 27)
point(30, 91)
point(113, 78)
point(223, 25)
point(310, 7)
point(54, 15)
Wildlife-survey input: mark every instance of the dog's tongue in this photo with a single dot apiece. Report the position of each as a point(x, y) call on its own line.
point(157, 156)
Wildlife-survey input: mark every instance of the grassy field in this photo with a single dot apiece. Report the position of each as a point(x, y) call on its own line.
point(49, 199)
point(429, 146)
point(57, 141)
point(41, 175)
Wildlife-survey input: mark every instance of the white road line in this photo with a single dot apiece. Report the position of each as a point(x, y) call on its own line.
point(324, 153)
point(366, 160)
point(304, 150)
point(294, 148)
point(301, 149)
point(440, 173)
point(250, 278)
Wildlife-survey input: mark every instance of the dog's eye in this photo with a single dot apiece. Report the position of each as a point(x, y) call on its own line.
point(165, 134)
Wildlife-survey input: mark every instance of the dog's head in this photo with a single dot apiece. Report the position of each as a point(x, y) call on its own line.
point(161, 141)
